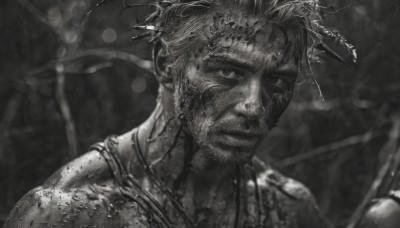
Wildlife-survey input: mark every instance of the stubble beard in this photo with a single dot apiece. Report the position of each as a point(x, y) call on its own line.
point(191, 108)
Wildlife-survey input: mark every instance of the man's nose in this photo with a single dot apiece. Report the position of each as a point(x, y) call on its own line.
point(251, 104)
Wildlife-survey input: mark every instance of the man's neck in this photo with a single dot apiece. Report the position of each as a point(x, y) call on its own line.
point(172, 153)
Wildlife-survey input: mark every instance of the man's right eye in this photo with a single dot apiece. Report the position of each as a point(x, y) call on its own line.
point(229, 74)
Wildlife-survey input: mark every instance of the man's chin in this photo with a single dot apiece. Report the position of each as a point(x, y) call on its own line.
point(227, 154)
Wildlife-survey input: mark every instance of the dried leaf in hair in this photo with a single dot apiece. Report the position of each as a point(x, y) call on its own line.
point(336, 46)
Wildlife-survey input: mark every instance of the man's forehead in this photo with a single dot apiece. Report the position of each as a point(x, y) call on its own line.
point(237, 34)
point(253, 60)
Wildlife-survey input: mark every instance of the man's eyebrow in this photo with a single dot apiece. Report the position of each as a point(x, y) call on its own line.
point(229, 60)
point(286, 70)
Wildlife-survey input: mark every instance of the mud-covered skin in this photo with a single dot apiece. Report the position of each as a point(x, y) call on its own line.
point(238, 77)
point(71, 199)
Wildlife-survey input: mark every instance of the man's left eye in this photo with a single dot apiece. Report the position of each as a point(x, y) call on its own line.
point(276, 81)
point(230, 74)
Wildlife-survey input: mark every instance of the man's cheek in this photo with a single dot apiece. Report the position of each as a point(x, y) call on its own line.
point(279, 105)
point(210, 97)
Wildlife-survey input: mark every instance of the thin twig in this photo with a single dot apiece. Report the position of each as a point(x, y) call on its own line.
point(66, 111)
point(89, 70)
point(108, 54)
point(391, 145)
point(112, 54)
point(351, 141)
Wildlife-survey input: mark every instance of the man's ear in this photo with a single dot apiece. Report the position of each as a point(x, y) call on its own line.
point(161, 66)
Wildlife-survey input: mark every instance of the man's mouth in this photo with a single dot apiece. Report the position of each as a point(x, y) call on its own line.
point(243, 139)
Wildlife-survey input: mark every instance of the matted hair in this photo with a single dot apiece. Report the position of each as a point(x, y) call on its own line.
point(174, 22)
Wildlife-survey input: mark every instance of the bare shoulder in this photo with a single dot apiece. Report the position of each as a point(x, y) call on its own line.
point(87, 169)
point(382, 212)
point(95, 207)
point(83, 193)
point(288, 187)
point(293, 196)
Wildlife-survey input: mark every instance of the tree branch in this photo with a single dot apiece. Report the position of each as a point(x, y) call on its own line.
point(113, 54)
point(66, 111)
point(392, 160)
point(107, 54)
point(351, 141)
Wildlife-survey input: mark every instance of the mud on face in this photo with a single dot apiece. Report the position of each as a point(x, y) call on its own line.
point(236, 82)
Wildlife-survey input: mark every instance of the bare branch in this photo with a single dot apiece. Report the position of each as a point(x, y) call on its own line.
point(392, 160)
point(66, 112)
point(89, 70)
point(351, 141)
point(108, 54)
point(112, 54)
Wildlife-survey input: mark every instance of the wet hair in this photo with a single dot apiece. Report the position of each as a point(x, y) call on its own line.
point(174, 23)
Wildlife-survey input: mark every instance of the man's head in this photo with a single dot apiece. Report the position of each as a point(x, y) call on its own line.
point(231, 67)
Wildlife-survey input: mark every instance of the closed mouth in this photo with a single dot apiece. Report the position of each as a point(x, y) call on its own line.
point(248, 134)
point(245, 139)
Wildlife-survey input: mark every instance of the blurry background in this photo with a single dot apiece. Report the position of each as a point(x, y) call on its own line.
point(68, 80)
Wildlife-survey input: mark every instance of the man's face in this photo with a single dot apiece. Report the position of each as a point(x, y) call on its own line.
point(236, 84)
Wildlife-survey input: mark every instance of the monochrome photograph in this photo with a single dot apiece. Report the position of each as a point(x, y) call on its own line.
point(199, 114)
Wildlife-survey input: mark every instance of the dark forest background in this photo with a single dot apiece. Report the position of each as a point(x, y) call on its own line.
point(68, 80)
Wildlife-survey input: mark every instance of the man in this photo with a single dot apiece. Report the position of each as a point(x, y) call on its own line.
point(227, 70)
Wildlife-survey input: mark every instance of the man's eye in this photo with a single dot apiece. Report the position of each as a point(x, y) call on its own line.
point(276, 81)
point(230, 74)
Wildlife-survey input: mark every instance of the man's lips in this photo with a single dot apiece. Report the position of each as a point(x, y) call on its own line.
point(236, 138)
